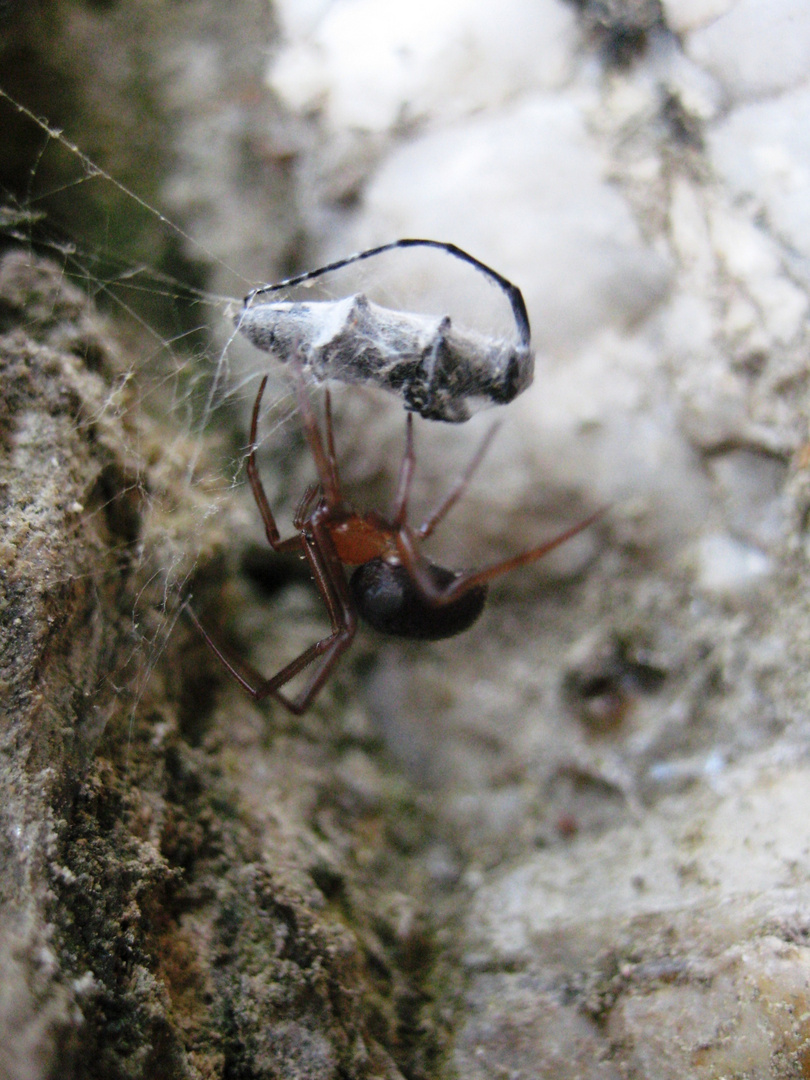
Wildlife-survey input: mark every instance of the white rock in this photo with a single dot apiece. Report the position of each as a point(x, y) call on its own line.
point(524, 190)
point(683, 15)
point(751, 485)
point(372, 66)
point(601, 421)
point(299, 18)
point(756, 48)
point(728, 567)
point(753, 258)
point(690, 232)
point(763, 152)
point(741, 839)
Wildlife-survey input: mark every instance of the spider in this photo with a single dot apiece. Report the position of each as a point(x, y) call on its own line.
point(394, 587)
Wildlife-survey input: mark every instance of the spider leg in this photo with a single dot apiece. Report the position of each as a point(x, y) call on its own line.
point(416, 566)
point(332, 587)
point(330, 437)
point(458, 488)
point(399, 514)
point(325, 462)
point(304, 509)
point(324, 563)
point(292, 543)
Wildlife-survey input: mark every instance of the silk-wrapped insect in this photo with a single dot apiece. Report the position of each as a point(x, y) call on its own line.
point(440, 370)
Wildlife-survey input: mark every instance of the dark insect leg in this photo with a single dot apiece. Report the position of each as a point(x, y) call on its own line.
point(512, 292)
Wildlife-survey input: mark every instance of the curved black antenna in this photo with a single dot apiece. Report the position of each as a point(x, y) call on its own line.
point(513, 293)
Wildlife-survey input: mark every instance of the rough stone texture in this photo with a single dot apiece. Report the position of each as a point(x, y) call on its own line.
point(69, 528)
point(152, 923)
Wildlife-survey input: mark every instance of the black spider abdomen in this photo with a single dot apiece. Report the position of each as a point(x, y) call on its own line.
point(388, 600)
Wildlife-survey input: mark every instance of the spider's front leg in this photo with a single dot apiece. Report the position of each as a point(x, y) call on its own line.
point(292, 543)
point(328, 575)
point(314, 540)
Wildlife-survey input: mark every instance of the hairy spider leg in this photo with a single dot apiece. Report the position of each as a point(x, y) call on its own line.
point(326, 569)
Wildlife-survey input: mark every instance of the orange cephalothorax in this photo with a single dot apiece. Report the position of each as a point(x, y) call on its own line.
point(359, 539)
